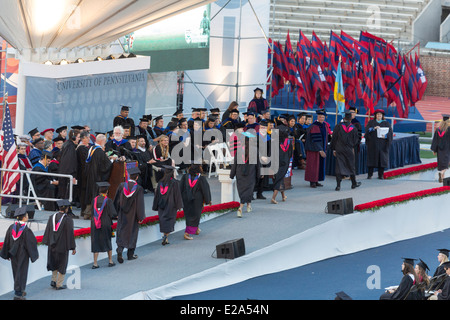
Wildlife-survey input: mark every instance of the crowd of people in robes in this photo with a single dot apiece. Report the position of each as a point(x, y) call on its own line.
point(156, 149)
point(416, 284)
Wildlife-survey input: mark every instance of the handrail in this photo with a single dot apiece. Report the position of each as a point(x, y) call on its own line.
point(27, 173)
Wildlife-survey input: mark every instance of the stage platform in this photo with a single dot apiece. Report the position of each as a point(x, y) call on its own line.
point(159, 266)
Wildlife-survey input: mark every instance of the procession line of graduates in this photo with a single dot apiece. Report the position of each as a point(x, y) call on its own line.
point(416, 284)
point(127, 206)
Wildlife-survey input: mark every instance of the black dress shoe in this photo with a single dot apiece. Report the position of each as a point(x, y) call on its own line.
point(319, 185)
point(62, 287)
point(337, 188)
point(356, 185)
point(133, 257)
point(312, 185)
point(261, 197)
point(53, 284)
point(119, 258)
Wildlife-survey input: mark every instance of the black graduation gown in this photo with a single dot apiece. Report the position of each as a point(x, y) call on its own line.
point(345, 138)
point(59, 242)
point(445, 294)
point(439, 271)
point(284, 156)
point(377, 148)
point(194, 198)
point(82, 153)
point(245, 174)
point(167, 205)
point(129, 210)
point(402, 290)
point(121, 121)
point(160, 161)
point(441, 145)
point(68, 164)
point(43, 188)
point(120, 147)
point(97, 169)
point(101, 237)
point(20, 252)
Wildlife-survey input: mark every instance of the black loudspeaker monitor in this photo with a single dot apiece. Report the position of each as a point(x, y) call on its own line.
point(231, 249)
point(343, 206)
point(446, 182)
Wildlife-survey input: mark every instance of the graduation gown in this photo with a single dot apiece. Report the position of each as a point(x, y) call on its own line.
point(101, 224)
point(258, 105)
point(42, 186)
point(20, 251)
point(68, 164)
point(316, 141)
point(345, 138)
point(120, 147)
point(194, 195)
point(122, 121)
point(285, 153)
point(130, 209)
point(378, 148)
point(160, 161)
point(441, 145)
point(97, 169)
point(167, 202)
point(35, 156)
point(402, 290)
point(60, 239)
point(246, 175)
point(82, 153)
point(445, 294)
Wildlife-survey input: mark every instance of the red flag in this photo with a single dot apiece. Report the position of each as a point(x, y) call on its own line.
point(421, 78)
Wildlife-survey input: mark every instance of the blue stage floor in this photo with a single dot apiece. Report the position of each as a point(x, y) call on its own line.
point(350, 273)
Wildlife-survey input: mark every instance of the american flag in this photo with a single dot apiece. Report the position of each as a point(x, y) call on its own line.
point(9, 155)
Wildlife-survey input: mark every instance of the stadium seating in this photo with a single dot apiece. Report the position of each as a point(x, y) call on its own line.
point(390, 20)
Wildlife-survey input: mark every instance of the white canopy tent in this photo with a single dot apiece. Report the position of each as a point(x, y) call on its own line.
point(33, 24)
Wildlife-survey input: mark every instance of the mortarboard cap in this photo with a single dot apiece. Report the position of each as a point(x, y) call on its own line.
point(177, 112)
point(202, 109)
point(409, 261)
point(133, 171)
point(158, 118)
point(148, 116)
point(251, 114)
point(103, 184)
point(77, 127)
point(446, 265)
point(259, 90)
point(58, 139)
point(342, 296)
point(58, 130)
point(47, 154)
point(144, 119)
point(423, 265)
point(214, 110)
point(378, 111)
point(445, 117)
point(38, 140)
point(125, 108)
point(444, 251)
point(321, 112)
point(63, 203)
point(234, 111)
point(47, 130)
point(20, 211)
point(33, 132)
point(264, 123)
point(167, 167)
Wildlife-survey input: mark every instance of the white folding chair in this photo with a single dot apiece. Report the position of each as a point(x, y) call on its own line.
point(219, 155)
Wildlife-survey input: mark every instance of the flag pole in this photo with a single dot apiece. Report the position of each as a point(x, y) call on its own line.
point(5, 98)
point(335, 124)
